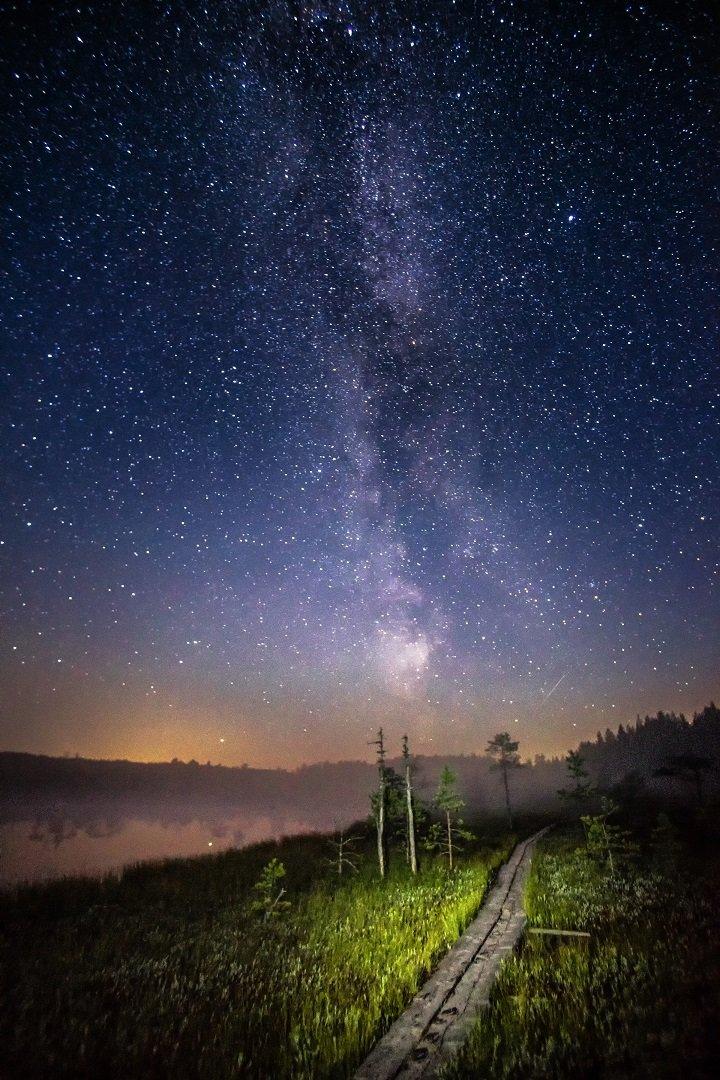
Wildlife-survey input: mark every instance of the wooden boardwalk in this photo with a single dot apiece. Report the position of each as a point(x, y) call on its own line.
point(438, 1019)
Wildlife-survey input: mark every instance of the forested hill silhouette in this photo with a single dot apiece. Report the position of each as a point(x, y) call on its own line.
point(649, 747)
point(326, 791)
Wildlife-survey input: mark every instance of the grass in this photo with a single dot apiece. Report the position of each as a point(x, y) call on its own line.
point(640, 998)
point(164, 972)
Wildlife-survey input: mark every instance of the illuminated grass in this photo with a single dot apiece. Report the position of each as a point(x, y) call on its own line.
point(165, 973)
point(640, 999)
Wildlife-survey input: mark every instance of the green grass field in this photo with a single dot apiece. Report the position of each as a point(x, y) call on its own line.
point(166, 972)
point(639, 998)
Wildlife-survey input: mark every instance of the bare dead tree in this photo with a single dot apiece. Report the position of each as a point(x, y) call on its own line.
point(412, 853)
point(378, 800)
point(344, 857)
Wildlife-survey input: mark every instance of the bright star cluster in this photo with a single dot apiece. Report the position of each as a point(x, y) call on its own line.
point(360, 366)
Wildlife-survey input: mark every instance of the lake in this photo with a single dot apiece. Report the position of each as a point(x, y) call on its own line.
point(59, 839)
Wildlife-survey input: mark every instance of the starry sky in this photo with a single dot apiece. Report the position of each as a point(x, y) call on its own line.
point(359, 366)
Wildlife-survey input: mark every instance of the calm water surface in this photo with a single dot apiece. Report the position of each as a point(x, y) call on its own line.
point(55, 841)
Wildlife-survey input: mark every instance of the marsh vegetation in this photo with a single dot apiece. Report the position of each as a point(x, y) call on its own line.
point(178, 970)
point(641, 996)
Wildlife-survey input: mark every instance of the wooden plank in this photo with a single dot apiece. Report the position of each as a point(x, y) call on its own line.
point(435, 1023)
point(558, 933)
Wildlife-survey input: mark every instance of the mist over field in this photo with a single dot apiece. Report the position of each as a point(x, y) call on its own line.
point(64, 815)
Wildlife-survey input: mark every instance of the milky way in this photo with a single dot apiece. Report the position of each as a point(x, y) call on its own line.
point(361, 365)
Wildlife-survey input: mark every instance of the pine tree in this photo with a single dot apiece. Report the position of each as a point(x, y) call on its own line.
point(581, 790)
point(444, 837)
point(269, 902)
point(504, 750)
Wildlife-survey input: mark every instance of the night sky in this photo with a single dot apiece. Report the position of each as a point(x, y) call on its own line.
point(359, 366)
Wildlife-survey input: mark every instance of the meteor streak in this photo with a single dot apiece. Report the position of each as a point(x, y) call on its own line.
point(550, 692)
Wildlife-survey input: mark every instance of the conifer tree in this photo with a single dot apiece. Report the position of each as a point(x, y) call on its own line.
point(581, 790)
point(449, 803)
point(269, 902)
point(504, 750)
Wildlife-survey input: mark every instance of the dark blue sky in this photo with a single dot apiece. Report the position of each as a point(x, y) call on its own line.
point(361, 365)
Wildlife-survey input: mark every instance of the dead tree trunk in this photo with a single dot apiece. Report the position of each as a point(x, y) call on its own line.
point(412, 853)
point(341, 854)
point(381, 829)
point(380, 802)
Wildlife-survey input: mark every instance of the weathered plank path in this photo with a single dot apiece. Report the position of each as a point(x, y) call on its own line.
point(438, 1019)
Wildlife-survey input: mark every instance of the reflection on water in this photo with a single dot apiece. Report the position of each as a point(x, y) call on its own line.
point(60, 840)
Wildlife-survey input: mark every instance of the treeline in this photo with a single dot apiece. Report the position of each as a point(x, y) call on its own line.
point(646, 749)
point(338, 792)
point(175, 790)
